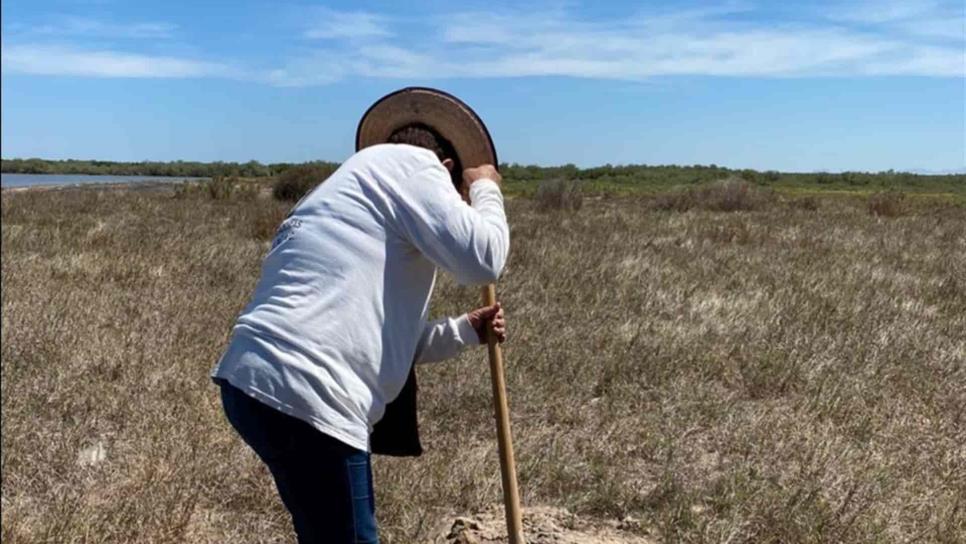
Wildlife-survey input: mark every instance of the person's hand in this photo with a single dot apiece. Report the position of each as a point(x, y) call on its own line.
point(481, 316)
point(472, 175)
point(484, 171)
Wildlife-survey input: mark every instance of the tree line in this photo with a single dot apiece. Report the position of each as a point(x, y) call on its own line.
point(250, 169)
point(607, 175)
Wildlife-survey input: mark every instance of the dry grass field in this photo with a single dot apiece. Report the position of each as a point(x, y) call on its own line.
point(793, 373)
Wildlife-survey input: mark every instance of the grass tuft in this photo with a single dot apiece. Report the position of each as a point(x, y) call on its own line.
point(729, 195)
point(887, 204)
point(805, 203)
point(559, 194)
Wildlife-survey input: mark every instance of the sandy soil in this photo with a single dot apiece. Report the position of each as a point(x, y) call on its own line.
point(543, 525)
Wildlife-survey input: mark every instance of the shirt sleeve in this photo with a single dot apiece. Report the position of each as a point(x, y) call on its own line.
point(469, 242)
point(445, 338)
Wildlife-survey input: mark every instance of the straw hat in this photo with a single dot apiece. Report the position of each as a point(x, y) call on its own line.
point(441, 111)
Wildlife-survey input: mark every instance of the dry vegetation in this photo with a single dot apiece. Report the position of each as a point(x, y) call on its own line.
point(887, 203)
point(728, 195)
point(559, 194)
point(789, 374)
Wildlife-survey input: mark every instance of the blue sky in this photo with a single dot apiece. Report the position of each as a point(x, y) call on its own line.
point(797, 86)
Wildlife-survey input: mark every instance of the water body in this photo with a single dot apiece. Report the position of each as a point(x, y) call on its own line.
point(54, 180)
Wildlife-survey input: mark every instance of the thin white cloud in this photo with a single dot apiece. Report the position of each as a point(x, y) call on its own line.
point(852, 39)
point(311, 70)
point(330, 24)
point(882, 11)
point(73, 27)
point(68, 61)
point(885, 11)
point(922, 18)
point(717, 42)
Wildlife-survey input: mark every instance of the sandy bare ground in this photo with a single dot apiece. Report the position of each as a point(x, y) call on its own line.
point(542, 525)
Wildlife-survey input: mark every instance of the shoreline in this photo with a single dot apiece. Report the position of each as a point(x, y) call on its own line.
point(69, 181)
point(151, 185)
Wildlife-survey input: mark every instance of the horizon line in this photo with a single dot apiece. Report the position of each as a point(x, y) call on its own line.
point(914, 171)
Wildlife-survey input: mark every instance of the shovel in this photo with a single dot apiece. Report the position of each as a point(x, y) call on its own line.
point(511, 494)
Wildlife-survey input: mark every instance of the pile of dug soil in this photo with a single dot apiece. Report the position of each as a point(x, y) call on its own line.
point(542, 525)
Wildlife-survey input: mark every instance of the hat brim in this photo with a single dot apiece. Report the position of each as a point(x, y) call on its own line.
point(443, 112)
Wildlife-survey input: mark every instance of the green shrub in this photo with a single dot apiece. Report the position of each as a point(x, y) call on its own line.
point(749, 175)
point(824, 178)
point(297, 181)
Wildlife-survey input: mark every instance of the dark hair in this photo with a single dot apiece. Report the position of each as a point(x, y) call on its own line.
point(424, 136)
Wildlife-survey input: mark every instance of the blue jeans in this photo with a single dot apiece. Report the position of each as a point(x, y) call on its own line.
point(325, 484)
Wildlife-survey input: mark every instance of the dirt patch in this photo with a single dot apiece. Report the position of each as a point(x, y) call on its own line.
point(543, 525)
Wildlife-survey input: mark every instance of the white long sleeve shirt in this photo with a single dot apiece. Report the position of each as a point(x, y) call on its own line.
point(340, 311)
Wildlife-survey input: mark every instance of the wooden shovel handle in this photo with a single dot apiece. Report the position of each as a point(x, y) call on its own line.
point(511, 494)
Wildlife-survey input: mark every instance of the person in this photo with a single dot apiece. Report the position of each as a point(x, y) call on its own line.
point(339, 316)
